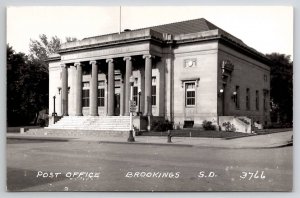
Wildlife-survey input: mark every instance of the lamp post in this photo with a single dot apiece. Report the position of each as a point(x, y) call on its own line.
point(139, 101)
point(54, 113)
point(131, 138)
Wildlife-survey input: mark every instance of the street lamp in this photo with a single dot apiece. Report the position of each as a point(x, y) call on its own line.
point(139, 101)
point(131, 138)
point(54, 113)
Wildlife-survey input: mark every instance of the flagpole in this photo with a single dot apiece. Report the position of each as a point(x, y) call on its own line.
point(120, 22)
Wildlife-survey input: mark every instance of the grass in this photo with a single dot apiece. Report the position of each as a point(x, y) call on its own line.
point(197, 133)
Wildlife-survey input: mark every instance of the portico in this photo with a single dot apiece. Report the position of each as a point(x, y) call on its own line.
point(114, 79)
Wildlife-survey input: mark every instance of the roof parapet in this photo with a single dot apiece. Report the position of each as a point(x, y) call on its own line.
point(128, 35)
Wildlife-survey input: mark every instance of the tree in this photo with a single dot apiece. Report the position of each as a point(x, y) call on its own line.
point(42, 48)
point(28, 80)
point(19, 111)
point(281, 93)
point(70, 39)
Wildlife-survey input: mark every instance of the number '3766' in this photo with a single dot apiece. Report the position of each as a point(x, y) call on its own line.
point(253, 175)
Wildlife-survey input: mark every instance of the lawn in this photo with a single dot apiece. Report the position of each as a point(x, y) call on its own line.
point(198, 133)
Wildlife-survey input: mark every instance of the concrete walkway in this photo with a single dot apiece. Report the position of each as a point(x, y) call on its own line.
point(258, 141)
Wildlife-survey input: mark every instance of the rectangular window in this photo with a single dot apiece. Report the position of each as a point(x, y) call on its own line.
point(257, 100)
point(190, 94)
point(85, 94)
point(101, 97)
point(248, 99)
point(265, 100)
point(237, 97)
point(153, 96)
point(101, 93)
point(135, 94)
point(153, 91)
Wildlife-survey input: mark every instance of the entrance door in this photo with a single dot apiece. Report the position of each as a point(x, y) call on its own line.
point(117, 104)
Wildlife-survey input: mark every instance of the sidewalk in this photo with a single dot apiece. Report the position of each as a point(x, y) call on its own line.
point(259, 141)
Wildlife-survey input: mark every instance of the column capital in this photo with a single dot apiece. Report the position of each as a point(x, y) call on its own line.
point(63, 65)
point(76, 64)
point(148, 56)
point(127, 58)
point(93, 62)
point(110, 60)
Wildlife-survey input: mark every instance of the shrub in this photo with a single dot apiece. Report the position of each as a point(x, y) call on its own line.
point(207, 125)
point(43, 122)
point(161, 125)
point(229, 127)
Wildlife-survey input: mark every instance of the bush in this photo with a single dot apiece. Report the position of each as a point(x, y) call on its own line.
point(43, 122)
point(229, 127)
point(207, 125)
point(161, 125)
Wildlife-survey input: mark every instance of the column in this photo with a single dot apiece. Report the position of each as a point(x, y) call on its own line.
point(64, 89)
point(148, 84)
point(111, 87)
point(78, 91)
point(127, 83)
point(94, 89)
point(122, 96)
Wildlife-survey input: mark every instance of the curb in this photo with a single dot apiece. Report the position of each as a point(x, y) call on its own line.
point(56, 139)
point(66, 139)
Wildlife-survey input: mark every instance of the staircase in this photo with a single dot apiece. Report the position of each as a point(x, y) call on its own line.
point(91, 123)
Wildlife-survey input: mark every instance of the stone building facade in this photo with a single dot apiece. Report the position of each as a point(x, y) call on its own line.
point(184, 72)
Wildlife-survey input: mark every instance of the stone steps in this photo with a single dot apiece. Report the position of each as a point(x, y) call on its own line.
point(99, 123)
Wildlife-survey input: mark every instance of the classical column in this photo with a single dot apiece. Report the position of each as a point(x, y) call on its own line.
point(94, 89)
point(127, 83)
point(122, 96)
point(78, 91)
point(111, 87)
point(148, 85)
point(64, 89)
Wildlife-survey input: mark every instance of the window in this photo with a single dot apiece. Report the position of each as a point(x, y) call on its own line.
point(135, 94)
point(265, 100)
point(257, 100)
point(153, 91)
point(248, 99)
point(190, 94)
point(85, 94)
point(237, 97)
point(101, 94)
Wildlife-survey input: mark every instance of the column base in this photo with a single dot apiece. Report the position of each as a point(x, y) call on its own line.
point(79, 114)
point(94, 115)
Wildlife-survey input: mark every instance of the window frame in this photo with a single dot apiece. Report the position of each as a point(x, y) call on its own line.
point(193, 90)
point(153, 91)
point(257, 100)
point(237, 97)
point(248, 98)
point(101, 87)
point(85, 99)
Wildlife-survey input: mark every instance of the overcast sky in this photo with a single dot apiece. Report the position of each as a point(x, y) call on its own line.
point(265, 28)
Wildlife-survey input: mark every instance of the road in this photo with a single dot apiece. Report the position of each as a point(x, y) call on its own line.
point(83, 166)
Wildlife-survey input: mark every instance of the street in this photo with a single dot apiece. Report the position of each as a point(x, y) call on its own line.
point(82, 166)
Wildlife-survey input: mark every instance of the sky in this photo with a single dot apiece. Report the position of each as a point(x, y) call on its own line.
point(266, 28)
